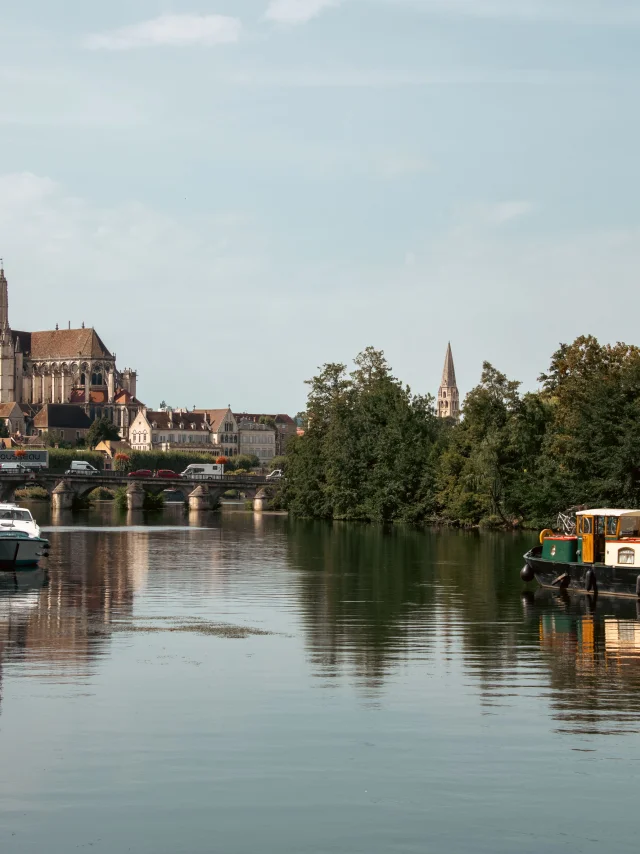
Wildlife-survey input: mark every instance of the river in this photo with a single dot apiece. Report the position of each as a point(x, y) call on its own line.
point(243, 684)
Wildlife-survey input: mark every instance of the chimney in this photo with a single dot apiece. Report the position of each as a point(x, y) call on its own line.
point(69, 324)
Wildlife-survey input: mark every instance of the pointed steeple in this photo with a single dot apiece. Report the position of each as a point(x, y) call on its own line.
point(448, 405)
point(4, 299)
point(448, 372)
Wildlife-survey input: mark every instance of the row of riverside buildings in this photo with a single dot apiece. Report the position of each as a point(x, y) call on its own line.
point(59, 381)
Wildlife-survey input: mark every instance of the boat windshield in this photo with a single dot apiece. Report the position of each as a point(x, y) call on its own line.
point(16, 515)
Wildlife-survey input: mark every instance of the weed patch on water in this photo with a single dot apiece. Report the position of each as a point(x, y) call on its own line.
point(200, 627)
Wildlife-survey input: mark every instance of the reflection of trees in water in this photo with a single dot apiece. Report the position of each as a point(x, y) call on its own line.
point(362, 595)
point(372, 598)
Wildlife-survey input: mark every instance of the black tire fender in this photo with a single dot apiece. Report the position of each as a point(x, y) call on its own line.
point(590, 581)
point(638, 587)
point(527, 574)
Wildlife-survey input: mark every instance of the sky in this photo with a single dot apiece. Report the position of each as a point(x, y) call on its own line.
point(234, 193)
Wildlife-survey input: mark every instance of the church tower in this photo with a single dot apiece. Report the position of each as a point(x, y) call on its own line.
point(7, 348)
point(448, 396)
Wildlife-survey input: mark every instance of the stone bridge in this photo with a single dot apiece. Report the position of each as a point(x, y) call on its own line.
point(201, 492)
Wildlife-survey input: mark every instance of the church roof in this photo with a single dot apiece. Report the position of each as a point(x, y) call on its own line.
point(62, 415)
point(62, 344)
point(448, 372)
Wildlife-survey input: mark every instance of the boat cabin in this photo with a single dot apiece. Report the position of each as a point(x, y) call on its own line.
point(608, 536)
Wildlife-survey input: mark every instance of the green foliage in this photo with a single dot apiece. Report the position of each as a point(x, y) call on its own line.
point(102, 493)
point(268, 420)
point(32, 493)
point(60, 458)
point(246, 462)
point(374, 451)
point(367, 452)
point(4, 430)
point(278, 463)
point(102, 430)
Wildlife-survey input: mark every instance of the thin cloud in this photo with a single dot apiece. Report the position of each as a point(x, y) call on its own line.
point(574, 11)
point(297, 11)
point(171, 31)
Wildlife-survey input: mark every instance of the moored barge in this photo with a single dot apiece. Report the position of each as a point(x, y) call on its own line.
point(598, 551)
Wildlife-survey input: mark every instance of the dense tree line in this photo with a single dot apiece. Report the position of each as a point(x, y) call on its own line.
point(374, 451)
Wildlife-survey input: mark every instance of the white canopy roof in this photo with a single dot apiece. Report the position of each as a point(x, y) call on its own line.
point(608, 512)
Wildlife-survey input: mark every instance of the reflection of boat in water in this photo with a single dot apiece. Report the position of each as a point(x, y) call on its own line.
point(20, 592)
point(591, 652)
point(20, 542)
point(598, 551)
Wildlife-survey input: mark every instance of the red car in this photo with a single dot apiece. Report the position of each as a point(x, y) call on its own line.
point(141, 473)
point(167, 474)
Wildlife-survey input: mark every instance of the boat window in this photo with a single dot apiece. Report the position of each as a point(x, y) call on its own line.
point(599, 524)
point(586, 524)
point(629, 526)
point(612, 526)
point(626, 556)
point(21, 515)
point(578, 524)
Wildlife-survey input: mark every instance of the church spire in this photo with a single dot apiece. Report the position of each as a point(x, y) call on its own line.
point(4, 299)
point(448, 396)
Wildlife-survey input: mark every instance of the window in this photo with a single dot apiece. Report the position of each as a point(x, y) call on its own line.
point(627, 556)
point(612, 526)
point(586, 525)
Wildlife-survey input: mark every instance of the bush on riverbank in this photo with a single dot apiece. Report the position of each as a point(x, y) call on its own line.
point(32, 493)
point(102, 493)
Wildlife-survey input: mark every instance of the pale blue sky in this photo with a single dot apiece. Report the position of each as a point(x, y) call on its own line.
point(236, 192)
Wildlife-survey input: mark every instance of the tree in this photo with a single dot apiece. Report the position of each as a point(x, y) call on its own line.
point(246, 461)
point(367, 450)
point(268, 420)
point(102, 430)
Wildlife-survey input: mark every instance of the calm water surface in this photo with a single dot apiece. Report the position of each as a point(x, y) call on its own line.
point(247, 684)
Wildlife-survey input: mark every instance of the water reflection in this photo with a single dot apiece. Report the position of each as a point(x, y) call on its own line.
point(369, 604)
point(592, 653)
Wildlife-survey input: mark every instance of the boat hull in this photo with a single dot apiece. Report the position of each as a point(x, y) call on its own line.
point(610, 580)
point(22, 552)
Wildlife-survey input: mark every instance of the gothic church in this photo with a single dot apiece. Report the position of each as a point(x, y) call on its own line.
point(63, 366)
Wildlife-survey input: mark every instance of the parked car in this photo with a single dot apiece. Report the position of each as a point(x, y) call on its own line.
point(276, 474)
point(81, 467)
point(167, 474)
point(141, 473)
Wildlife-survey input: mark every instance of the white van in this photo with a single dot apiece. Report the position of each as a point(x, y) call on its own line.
point(14, 467)
point(203, 470)
point(81, 467)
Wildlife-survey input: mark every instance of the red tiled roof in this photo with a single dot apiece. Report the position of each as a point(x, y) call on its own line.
point(215, 416)
point(77, 396)
point(62, 344)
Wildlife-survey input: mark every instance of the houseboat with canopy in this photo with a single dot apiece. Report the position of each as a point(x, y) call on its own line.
point(595, 551)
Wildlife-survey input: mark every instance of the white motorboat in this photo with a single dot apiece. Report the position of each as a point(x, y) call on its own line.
point(20, 542)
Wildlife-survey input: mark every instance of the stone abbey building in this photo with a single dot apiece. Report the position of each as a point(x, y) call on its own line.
point(63, 366)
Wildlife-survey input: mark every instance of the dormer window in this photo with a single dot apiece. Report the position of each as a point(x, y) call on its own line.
point(154, 424)
point(182, 425)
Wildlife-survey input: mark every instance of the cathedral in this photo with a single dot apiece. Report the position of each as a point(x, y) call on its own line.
point(63, 366)
point(448, 397)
